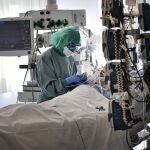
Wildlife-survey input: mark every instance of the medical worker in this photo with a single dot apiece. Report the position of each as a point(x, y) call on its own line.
point(56, 69)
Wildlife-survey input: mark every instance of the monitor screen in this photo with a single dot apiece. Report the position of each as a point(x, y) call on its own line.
point(16, 36)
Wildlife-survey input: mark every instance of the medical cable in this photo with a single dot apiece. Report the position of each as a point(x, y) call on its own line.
point(127, 51)
point(140, 83)
point(144, 110)
point(33, 97)
point(80, 134)
point(25, 75)
point(127, 140)
point(141, 87)
point(32, 57)
point(137, 72)
point(27, 13)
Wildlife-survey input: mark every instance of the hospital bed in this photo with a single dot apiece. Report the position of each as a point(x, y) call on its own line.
point(77, 120)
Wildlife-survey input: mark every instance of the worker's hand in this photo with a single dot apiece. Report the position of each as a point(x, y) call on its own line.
point(76, 79)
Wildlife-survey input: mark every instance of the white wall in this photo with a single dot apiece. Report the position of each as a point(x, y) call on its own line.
point(92, 8)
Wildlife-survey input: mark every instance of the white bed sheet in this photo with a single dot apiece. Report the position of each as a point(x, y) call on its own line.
point(68, 122)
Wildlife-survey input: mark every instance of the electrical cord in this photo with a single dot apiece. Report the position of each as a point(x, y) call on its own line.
point(36, 42)
point(32, 55)
point(137, 71)
point(80, 134)
point(135, 68)
point(25, 76)
point(24, 80)
point(130, 95)
point(32, 92)
point(147, 98)
point(144, 111)
point(127, 140)
point(126, 77)
point(27, 13)
point(33, 96)
point(34, 52)
point(135, 98)
point(139, 101)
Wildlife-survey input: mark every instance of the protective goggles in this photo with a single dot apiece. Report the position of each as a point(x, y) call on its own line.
point(73, 47)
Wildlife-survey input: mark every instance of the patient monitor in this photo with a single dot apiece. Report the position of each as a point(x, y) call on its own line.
point(16, 36)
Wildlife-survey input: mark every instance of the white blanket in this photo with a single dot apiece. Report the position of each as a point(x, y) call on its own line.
point(68, 122)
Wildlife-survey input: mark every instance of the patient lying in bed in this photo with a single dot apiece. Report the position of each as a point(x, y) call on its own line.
point(68, 122)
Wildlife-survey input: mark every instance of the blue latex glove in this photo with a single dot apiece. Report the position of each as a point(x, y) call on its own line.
point(74, 79)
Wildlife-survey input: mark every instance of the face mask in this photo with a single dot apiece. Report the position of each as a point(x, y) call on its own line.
point(67, 52)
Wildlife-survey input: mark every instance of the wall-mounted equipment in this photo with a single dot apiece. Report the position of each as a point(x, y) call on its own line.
point(55, 19)
point(16, 36)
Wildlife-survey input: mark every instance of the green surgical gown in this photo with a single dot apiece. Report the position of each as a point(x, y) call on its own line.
point(52, 69)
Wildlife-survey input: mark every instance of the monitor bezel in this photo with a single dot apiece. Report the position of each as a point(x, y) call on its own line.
point(19, 52)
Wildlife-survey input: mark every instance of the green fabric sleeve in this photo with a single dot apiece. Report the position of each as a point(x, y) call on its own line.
point(51, 85)
point(52, 69)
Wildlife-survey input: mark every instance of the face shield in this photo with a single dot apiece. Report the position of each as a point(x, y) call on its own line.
point(71, 49)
